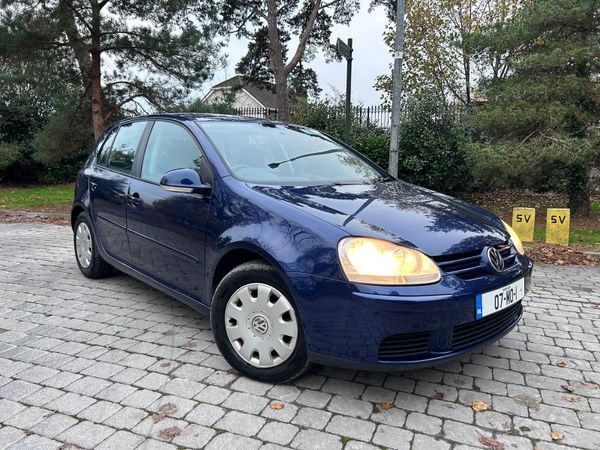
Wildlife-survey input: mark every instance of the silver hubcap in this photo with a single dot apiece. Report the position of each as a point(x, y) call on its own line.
point(83, 245)
point(261, 325)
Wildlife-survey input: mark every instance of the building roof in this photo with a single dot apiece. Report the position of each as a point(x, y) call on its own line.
point(263, 95)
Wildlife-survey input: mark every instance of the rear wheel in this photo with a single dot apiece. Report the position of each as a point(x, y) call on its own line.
point(88, 258)
point(256, 324)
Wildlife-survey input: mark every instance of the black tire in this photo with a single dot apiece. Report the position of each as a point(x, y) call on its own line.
point(256, 272)
point(98, 268)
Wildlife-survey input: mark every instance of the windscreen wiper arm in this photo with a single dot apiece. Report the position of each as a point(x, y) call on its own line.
point(275, 165)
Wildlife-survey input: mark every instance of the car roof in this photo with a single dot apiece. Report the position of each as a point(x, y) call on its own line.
point(203, 117)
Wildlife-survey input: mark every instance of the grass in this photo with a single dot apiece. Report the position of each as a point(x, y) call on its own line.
point(584, 236)
point(595, 206)
point(35, 197)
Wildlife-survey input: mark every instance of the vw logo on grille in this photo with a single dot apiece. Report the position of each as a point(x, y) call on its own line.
point(260, 325)
point(495, 259)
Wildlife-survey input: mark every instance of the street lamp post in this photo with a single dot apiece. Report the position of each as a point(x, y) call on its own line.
point(396, 90)
point(345, 50)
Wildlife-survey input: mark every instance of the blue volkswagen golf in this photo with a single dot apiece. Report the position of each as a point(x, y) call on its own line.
point(299, 248)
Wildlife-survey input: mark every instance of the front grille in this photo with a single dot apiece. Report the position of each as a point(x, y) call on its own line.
point(480, 330)
point(470, 265)
point(401, 346)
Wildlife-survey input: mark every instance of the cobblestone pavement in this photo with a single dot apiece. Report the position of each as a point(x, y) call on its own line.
point(115, 364)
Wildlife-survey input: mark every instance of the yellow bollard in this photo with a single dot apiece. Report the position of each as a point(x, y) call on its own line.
point(557, 226)
point(523, 222)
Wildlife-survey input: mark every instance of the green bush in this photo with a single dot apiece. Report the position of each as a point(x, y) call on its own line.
point(541, 164)
point(432, 142)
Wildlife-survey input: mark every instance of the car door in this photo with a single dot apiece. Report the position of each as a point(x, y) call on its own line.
point(109, 184)
point(167, 230)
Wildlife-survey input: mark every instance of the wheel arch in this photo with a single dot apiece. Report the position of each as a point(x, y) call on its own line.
point(239, 254)
point(77, 209)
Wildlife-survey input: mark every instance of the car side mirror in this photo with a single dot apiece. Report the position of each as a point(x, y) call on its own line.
point(184, 180)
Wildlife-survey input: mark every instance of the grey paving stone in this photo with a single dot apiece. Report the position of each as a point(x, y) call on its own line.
point(423, 423)
point(241, 401)
point(28, 417)
point(351, 407)
point(314, 399)
point(194, 436)
point(182, 387)
point(70, 403)
point(8, 409)
point(430, 443)
point(351, 427)
point(278, 433)
point(205, 414)
point(312, 418)
point(10, 435)
point(316, 440)
point(99, 411)
point(241, 423)
point(126, 418)
point(34, 442)
point(228, 441)
point(86, 434)
point(392, 437)
point(141, 398)
point(53, 425)
point(121, 440)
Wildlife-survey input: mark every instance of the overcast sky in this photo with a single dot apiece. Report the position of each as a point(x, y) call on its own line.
point(371, 57)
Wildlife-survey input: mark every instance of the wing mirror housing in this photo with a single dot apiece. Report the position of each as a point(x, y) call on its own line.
point(184, 180)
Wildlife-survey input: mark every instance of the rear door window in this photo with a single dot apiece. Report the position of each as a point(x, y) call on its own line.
point(124, 146)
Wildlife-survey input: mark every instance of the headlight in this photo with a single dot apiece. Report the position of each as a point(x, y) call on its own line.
point(516, 240)
point(374, 261)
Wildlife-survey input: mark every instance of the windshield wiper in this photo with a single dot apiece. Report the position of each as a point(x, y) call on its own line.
point(275, 165)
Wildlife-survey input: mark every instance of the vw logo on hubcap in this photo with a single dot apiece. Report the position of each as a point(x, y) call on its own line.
point(495, 259)
point(260, 325)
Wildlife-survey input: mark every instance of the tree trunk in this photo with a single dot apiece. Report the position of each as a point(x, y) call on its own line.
point(96, 73)
point(82, 54)
point(276, 62)
point(97, 106)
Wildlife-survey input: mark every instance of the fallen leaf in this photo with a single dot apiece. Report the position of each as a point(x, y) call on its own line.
point(568, 387)
point(492, 443)
point(167, 408)
point(506, 425)
point(593, 386)
point(164, 411)
point(277, 405)
point(479, 406)
point(561, 364)
point(571, 399)
point(385, 405)
point(165, 364)
point(190, 344)
point(556, 436)
point(169, 433)
point(438, 395)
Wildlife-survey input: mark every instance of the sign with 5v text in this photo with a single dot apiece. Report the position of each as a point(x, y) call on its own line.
point(523, 222)
point(557, 226)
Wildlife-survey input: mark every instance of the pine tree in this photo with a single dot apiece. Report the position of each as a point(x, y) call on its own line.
point(551, 96)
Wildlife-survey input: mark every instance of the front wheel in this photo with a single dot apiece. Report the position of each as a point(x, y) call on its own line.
point(256, 324)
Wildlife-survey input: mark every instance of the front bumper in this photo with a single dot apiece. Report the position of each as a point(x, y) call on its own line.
point(345, 324)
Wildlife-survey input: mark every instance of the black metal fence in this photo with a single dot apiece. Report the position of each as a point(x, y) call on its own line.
point(377, 116)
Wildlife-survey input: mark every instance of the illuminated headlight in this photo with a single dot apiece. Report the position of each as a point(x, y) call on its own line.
point(374, 261)
point(514, 237)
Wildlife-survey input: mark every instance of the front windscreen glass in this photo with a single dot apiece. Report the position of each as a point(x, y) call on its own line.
point(281, 154)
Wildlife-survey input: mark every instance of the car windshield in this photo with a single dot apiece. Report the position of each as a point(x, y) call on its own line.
point(281, 154)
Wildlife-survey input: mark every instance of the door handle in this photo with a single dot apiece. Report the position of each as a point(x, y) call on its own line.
point(93, 185)
point(134, 199)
